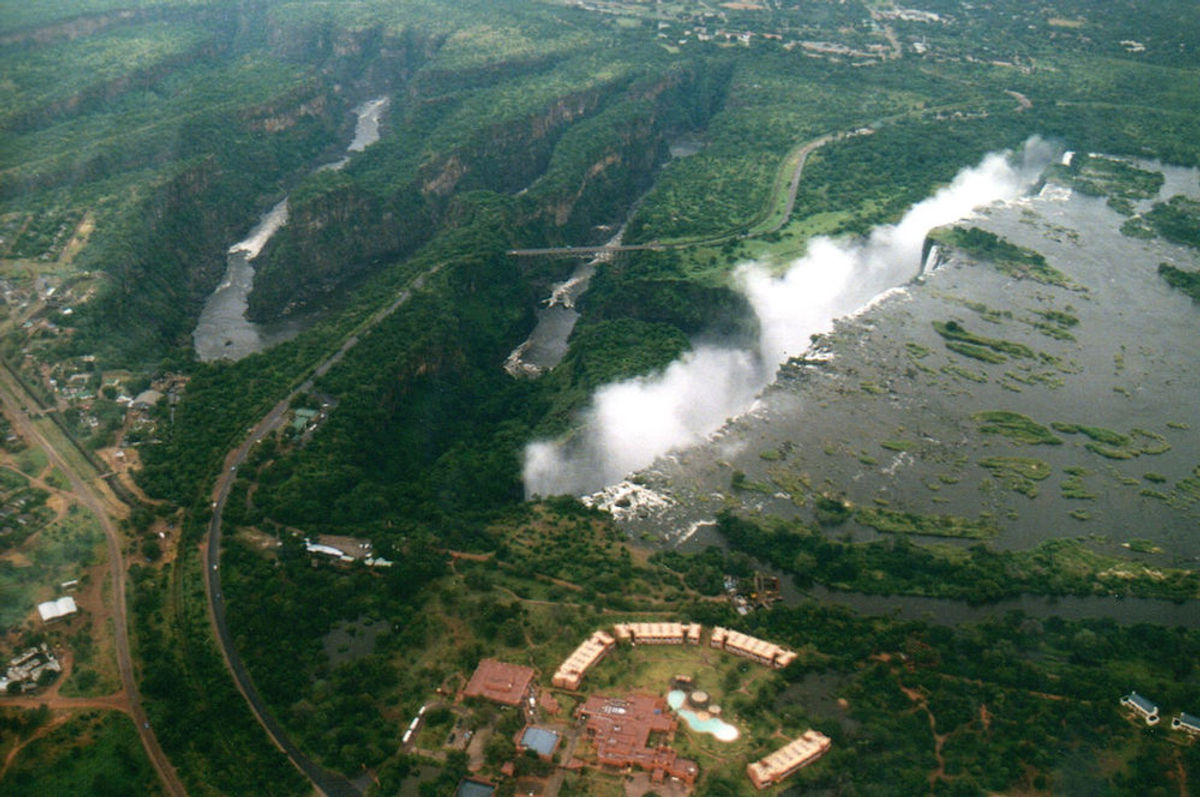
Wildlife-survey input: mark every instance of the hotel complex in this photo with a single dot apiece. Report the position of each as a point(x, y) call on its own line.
point(621, 730)
point(507, 684)
point(571, 673)
point(789, 758)
point(749, 647)
point(659, 633)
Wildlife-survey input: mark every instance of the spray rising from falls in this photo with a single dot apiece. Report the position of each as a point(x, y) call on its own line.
point(629, 424)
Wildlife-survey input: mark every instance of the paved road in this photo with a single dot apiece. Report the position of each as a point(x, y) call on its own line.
point(802, 153)
point(329, 783)
point(14, 397)
point(794, 185)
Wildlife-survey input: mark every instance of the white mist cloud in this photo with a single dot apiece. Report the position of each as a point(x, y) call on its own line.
point(631, 423)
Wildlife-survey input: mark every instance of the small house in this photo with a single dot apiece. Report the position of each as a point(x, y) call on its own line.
point(1143, 706)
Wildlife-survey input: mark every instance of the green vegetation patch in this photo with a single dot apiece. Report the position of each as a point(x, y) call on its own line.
point(1137, 227)
point(916, 350)
point(610, 351)
point(976, 574)
point(832, 511)
point(954, 332)
point(11, 480)
point(60, 552)
point(1115, 445)
point(1072, 487)
point(1029, 377)
point(1025, 467)
point(1097, 175)
point(1015, 261)
point(1186, 281)
point(93, 753)
point(1055, 323)
point(1097, 433)
point(1015, 426)
point(32, 461)
point(1148, 442)
point(895, 522)
point(739, 481)
point(1188, 489)
point(951, 369)
point(975, 352)
point(1177, 220)
point(1142, 545)
point(1018, 473)
point(1109, 452)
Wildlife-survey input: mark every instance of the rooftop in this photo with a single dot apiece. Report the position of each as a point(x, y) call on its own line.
point(1190, 720)
point(802, 751)
point(147, 398)
point(621, 729)
point(474, 788)
point(746, 645)
point(587, 654)
point(1142, 703)
point(53, 610)
point(499, 681)
point(540, 740)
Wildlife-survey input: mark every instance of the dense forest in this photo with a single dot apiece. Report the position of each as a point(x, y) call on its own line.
point(139, 141)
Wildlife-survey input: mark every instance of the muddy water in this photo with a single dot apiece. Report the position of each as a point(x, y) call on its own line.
point(222, 331)
point(1131, 365)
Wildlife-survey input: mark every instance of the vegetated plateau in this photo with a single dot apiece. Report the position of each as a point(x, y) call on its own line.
point(141, 140)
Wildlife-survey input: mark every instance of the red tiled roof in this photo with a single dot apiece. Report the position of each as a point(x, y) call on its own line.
point(499, 681)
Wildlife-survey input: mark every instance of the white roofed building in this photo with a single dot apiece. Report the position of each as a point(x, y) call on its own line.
point(56, 610)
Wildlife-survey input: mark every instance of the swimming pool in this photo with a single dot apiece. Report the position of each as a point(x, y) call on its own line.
point(721, 730)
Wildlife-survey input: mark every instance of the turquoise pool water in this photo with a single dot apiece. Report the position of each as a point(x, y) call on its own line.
point(721, 730)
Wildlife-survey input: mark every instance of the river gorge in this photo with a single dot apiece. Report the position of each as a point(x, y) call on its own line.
point(223, 331)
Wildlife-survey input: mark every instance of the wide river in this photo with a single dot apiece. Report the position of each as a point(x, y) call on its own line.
point(888, 419)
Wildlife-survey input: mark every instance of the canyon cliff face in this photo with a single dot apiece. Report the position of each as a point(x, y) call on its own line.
point(165, 254)
point(344, 230)
point(331, 238)
point(506, 157)
point(578, 163)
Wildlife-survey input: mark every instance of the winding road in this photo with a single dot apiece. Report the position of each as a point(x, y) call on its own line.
point(799, 155)
point(329, 783)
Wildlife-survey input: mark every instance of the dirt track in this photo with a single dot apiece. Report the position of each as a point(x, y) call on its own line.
point(104, 506)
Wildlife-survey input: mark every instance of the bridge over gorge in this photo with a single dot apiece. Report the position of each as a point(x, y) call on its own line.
point(586, 251)
point(774, 215)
